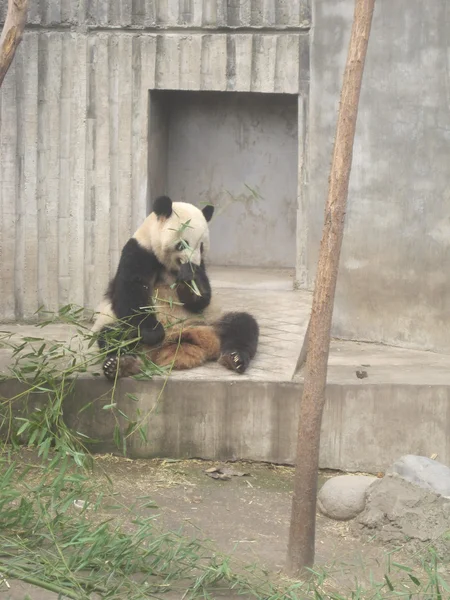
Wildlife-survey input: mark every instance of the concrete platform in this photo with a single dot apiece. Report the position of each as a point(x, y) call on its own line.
point(402, 406)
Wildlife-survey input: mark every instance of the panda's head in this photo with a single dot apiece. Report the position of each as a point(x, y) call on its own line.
point(177, 232)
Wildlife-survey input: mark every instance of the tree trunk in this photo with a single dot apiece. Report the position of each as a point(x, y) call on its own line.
point(15, 21)
point(303, 517)
point(303, 352)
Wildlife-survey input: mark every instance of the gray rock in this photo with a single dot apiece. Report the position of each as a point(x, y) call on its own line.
point(398, 511)
point(344, 497)
point(424, 472)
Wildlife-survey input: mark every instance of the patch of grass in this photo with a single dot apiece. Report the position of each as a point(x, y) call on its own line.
point(51, 536)
point(55, 534)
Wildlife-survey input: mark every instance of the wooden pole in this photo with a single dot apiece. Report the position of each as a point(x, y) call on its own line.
point(12, 32)
point(303, 352)
point(303, 517)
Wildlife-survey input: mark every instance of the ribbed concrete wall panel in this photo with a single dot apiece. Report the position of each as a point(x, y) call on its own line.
point(147, 14)
point(74, 142)
point(42, 173)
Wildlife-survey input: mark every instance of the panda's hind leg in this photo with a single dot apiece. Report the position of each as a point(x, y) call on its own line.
point(190, 348)
point(239, 334)
point(186, 349)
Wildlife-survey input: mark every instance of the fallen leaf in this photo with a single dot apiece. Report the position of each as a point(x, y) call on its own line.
point(216, 475)
point(224, 473)
point(233, 473)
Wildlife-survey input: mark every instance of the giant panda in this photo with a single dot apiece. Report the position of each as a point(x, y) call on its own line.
point(162, 298)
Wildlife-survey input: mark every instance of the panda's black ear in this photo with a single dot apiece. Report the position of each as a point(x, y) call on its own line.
point(162, 206)
point(208, 212)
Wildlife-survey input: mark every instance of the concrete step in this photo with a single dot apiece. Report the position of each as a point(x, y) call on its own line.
point(401, 407)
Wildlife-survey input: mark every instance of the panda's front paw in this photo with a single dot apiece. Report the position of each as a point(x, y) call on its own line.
point(235, 361)
point(110, 367)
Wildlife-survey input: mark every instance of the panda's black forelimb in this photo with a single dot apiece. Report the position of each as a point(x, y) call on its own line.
point(104, 340)
point(239, 335)
point(112, 339)
point(188, 293)
point(131, 290)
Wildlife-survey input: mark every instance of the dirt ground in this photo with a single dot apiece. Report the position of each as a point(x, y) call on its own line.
point(247, 516)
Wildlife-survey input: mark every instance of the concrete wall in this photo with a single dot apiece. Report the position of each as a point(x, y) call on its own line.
point(239, 151)
point(365, 427)
point(74, 118)
point(75, 154)
point(148, 14)
point(394, 283)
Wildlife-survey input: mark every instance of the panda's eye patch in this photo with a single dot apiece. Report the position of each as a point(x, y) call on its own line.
point(181, 246)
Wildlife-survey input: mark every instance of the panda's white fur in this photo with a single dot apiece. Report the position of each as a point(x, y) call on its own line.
point(160, 236)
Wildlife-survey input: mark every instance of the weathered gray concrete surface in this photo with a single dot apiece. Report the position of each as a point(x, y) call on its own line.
point(393, 283)
point(75, 153)
point(365, 427)
point(239, 151)
point(144, 14)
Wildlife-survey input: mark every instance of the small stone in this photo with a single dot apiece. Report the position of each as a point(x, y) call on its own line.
point(344, 497)
point(424, 472)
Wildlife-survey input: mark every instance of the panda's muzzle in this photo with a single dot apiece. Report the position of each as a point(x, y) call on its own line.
point(187, 272)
